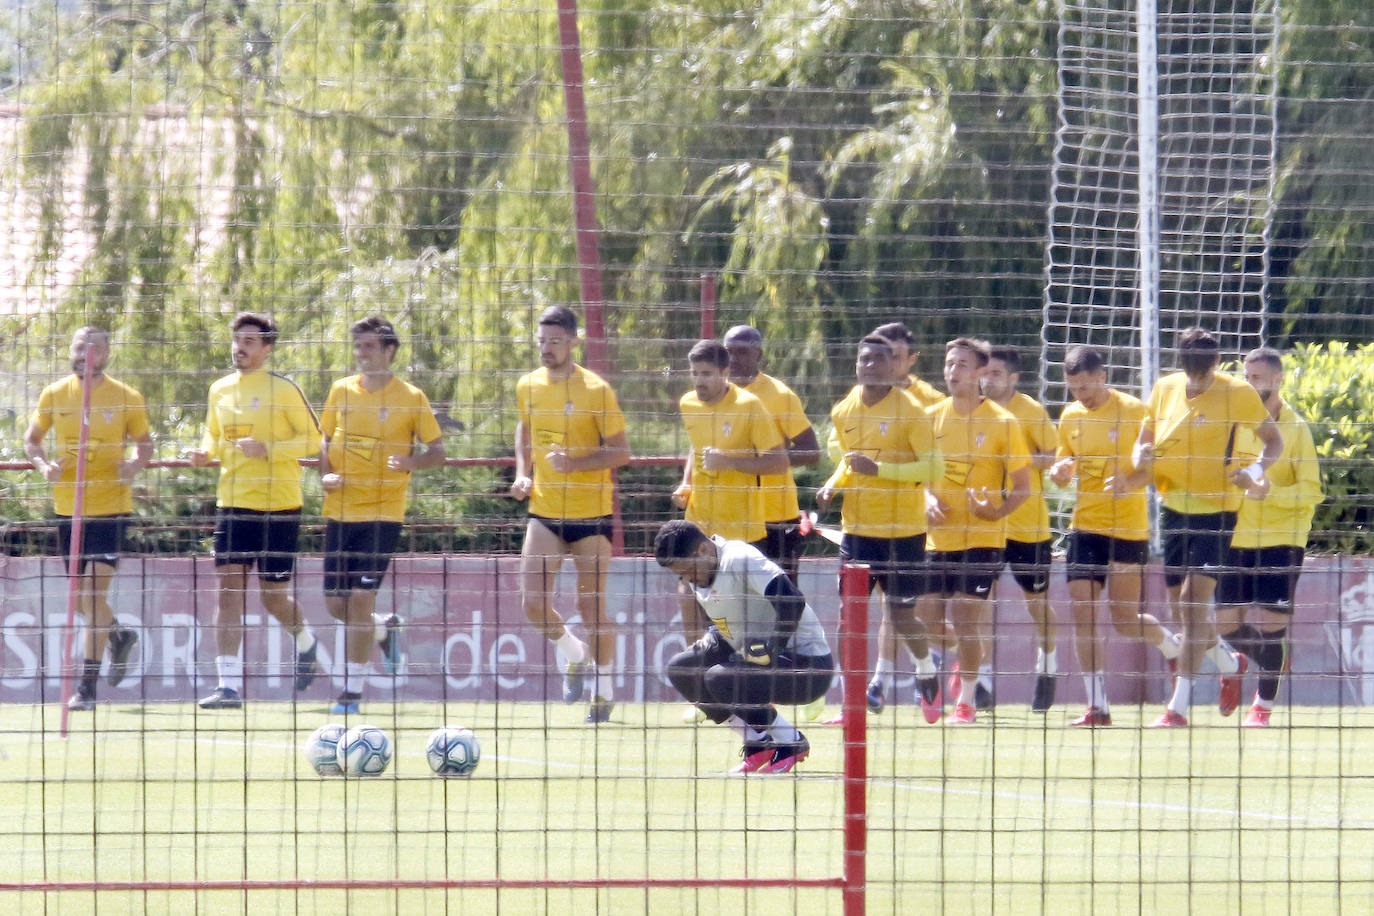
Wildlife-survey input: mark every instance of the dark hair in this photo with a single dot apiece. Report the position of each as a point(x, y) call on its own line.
point(980, 348)
point(743, 335)
point(92, 330)
point(677, 540)
point(1198, 351)
point(1084, 359)
point(709, 351)
point(559, 316)
point(267, 328)
point(876, 340)
point(377, 324)
point(1266, 355)
point(1008, 356)
point(895, 332)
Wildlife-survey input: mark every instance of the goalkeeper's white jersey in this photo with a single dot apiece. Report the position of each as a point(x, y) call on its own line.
point(735, 601)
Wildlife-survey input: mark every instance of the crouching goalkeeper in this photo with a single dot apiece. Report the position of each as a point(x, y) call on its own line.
point(764, 644)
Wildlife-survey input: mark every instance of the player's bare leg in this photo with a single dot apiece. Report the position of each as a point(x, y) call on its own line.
point(1192, 600)
point(540, 560)
point(356, 611)
point(1089, 646)
point(230, 599)
point(592, 559)
point(967, 612)
point(277, 600)
point(93, 605)
point(1125, 600)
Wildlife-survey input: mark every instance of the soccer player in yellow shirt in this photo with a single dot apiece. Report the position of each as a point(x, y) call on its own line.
point(781, 512)
point(1270, 541)
point(733, 442)
point(904, 356)
point(117, 418)
point(986, 478)
point(1109, 535)
point(884, 449)
point(1028, 528)
point(259, 425)
point(1187, 443)
point(375, 430)
point(570, 435)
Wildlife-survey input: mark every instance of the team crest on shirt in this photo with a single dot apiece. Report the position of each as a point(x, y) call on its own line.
point(254, 404)
point(108, 415)
point(382, 414)
point(725, 428)
point(1200, 419)
point(979, 439)
point(882, 428)
point(1111, 434)
point(568, 409)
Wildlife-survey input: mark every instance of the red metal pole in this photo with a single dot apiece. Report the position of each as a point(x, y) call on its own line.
point(854, 670)
point(708, 306)
point(74, 560)
point(584, 189)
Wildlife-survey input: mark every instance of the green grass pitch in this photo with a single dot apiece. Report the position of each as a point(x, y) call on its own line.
point(1017, 814)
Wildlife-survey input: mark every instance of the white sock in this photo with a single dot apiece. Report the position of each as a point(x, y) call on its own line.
point(573, 648)
point(379, 626)
point(745, 730)
point(602, 684)
point(782, 731)
point(355, 675)
point(937, 658)
point(230, 670)
point(928, 666)
point(1223, 657)
point(1171, 646)
point(1096, 684)
point(1262, 703)
point(1045, 662)
point(985, 676)
point(883, 672)
point(1183, 696)
point(966, 690)
point(305, 638)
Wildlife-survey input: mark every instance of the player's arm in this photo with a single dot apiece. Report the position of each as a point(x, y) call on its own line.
point(613, 452)
point(788, 605)
point(768, 461)
point(803, 450)
point(428, 455)
point(209, 440)
point(1042, 450)
point(1306, 490)
point(143, 453)
point(524, 470)
point(38, 454)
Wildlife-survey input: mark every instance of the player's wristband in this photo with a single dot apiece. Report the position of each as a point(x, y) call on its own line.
point(1254, 471)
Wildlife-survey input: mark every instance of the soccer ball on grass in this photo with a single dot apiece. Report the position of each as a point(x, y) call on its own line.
point(364, 750)
point(321, 749)
point(453, 751)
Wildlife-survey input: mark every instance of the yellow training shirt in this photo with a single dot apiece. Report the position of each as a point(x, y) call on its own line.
point(1100, 442)
point(783, 405)
point(893, 431)
point(365, 428)
point(1031, 522)
point(727, 503)
point(926, 394)
point(118, 417)
point(1195, 440)
point(579, 414)
point(272, 410)
point(1284, 516)
point(981, 450)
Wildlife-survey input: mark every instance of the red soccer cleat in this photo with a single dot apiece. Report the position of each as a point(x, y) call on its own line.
point(754, 758)
point(963, 714)
point(1229, 698)
point(1169, 719)
point(1257, 717)
point(932, 704)
point(1092, 718)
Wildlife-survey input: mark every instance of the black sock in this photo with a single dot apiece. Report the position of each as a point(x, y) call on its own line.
point(1273, 651)
point(1245, 639)
point(90, 673)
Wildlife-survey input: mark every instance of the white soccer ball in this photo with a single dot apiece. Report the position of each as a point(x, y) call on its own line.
point(321, 749)
point(453, 751)
point(364, 750)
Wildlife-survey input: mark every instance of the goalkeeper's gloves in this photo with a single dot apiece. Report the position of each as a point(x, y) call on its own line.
point(756, 652)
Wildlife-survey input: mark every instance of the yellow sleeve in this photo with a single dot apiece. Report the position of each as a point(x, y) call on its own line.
point(1307, 492)
point(922, 470)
